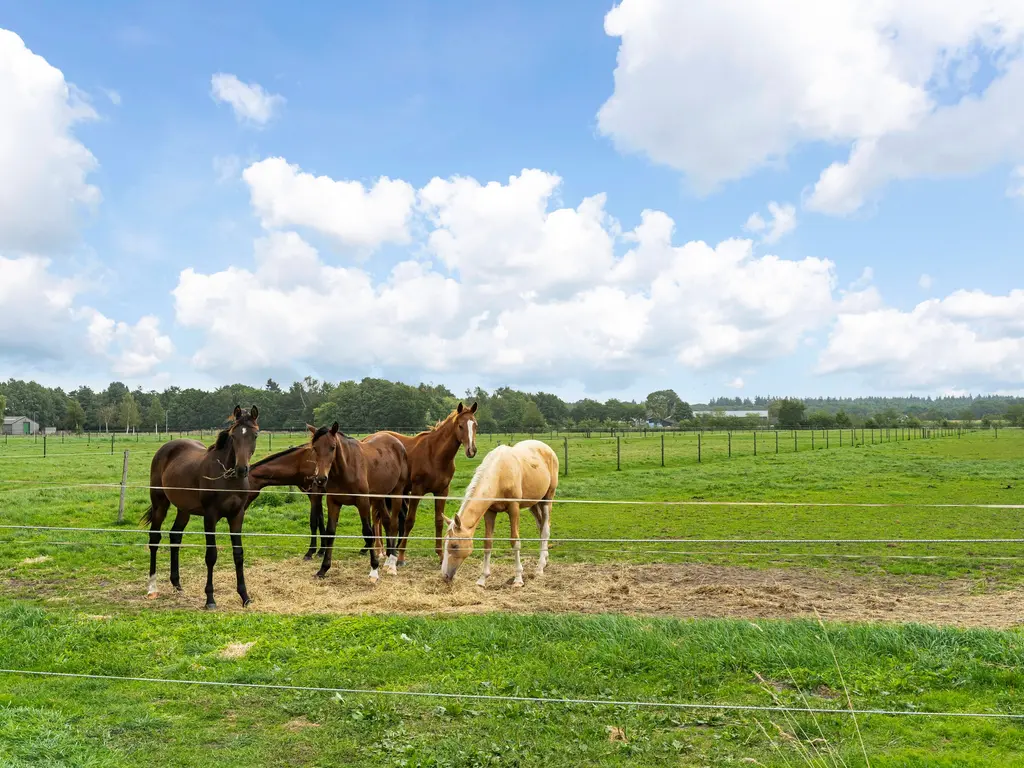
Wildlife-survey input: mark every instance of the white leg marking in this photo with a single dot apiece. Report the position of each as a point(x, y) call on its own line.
point(519, 565)
point(545, 534)
point(374, 575)
point(391, 564)
point(482, 581)
point(151, 589)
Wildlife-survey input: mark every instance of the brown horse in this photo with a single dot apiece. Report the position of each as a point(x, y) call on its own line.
point(351, 472)
point(212, 482)
point(432, 466)
point(295, 466)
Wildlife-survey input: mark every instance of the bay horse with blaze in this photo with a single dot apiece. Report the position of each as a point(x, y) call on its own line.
point(211, 482)
point(432, 466)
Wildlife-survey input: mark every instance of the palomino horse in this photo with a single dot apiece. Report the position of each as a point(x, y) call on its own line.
point(295, 466)
point(432, 466)
point(212, 482)
point(360, 473)
point(524, 474)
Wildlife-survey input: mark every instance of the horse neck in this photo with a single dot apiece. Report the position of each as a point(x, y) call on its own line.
point(444, 441)
point(285, 468)
point(477, 500)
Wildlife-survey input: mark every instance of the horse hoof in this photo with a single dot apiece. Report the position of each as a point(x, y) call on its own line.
point(402, 564)
point(481, 583)
point(374, 576)
point(517, 583)
point(152, 595)
point(247, 602)
point(319, 576)
point(308, 556)
point(177, 588)
point(211, 606)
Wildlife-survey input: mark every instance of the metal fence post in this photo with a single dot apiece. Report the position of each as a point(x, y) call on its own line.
point(618, 453)
point(755, 442)
point(663, 449)
point(729, 434)
point(566, 442)
point(698, 447)
point(124, 481)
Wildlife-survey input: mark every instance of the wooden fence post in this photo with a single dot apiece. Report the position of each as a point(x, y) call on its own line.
point(663, 449)
point(698, 447)
point(618, 453)
point(566, 441)
point(124, 481)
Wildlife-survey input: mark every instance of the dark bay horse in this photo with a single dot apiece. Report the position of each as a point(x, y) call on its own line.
point(295, 466)
point(211, 482)
point(432, 466)
point(351, 471)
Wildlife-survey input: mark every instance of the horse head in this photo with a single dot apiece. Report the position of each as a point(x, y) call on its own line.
point(323, 443)
point(458, 545)
point(241, 437)
point(466, 428)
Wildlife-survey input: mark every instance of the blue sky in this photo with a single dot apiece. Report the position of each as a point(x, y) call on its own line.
point(896, 271)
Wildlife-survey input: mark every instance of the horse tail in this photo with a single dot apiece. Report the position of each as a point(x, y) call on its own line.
point(147, 516)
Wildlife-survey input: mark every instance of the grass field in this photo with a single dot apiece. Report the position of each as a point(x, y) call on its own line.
point(77, 608)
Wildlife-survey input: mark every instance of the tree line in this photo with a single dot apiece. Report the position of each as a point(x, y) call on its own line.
point(375, 403)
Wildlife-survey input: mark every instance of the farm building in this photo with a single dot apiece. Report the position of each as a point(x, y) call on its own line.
point(762, 414)
point(19, 425)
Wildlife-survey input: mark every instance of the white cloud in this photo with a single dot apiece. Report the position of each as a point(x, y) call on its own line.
point(283, 197)
point(248, 100)
point(736, 383)
point(783, 222)
point(925, 282)
point(35, 308)
point(1016, 187)
point(968, 339)
point(520, 287)
point(114, 96)
point(133, 350)
point(43, 167)
point(720, 90)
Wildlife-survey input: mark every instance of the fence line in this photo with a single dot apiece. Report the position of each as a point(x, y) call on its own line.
point(502, 548)
point(552, 539)
point(280, 490)
point(700, 706)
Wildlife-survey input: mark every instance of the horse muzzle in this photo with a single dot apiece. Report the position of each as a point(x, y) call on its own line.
point(241, 472)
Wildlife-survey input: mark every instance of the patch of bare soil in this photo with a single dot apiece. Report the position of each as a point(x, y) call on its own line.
point(698, 591)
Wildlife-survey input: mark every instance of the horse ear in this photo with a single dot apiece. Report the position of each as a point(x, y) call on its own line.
point(254, 412)
point(459, 409)
point(447, 520)
point(457, 520)
point(311, 428)
point(237, 412)
point(472, 408)
point(334, 428)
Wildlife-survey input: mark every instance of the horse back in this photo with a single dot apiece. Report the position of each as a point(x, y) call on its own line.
point(386, 462)
point(538, 465)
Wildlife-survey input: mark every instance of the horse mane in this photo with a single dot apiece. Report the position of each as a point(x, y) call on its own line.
point(441, 422)
point(221, 442)
point(279, 454)
point(481, 471)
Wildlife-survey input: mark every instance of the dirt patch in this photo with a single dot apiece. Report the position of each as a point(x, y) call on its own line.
point(698, 591)
point(236, 650)
point(299, 724)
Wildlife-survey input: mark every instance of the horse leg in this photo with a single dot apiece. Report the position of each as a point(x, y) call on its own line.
point(321, 526)
point(159, 505)
point(364, 515)
point(210, 526)
point(404, 531)
point(316, 506)
point(179, 525)
point(333, 507)
point(391, 564)
point(543, 515)
point(489, 518)
point(513, 518)
point(235, 526)
point(439, 522)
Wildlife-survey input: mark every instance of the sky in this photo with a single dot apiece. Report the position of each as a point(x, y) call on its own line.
point(780, 197)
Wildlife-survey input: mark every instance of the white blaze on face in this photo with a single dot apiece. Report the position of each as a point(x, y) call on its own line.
point(243, 430)
point(472, 427)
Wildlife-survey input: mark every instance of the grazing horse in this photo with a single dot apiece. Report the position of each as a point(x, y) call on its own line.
point(353, 472)
point(524, 474)
point(212, 482)
point(294, 466)
point(432, 466)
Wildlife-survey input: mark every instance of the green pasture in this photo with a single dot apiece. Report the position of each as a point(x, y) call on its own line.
point(64, 722)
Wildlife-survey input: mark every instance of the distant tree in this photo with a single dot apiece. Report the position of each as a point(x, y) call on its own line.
point(74, 416)
point(272, 386)
point(107, 415)
point(3, 405)
point(533, 419)
point(1014, 414)
point(791, 413)
point(128, 412)
point(843, 420)
point(821, 420)
point(155, 416)
point(683, 411)
point(667, 402)
point(555, 410)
